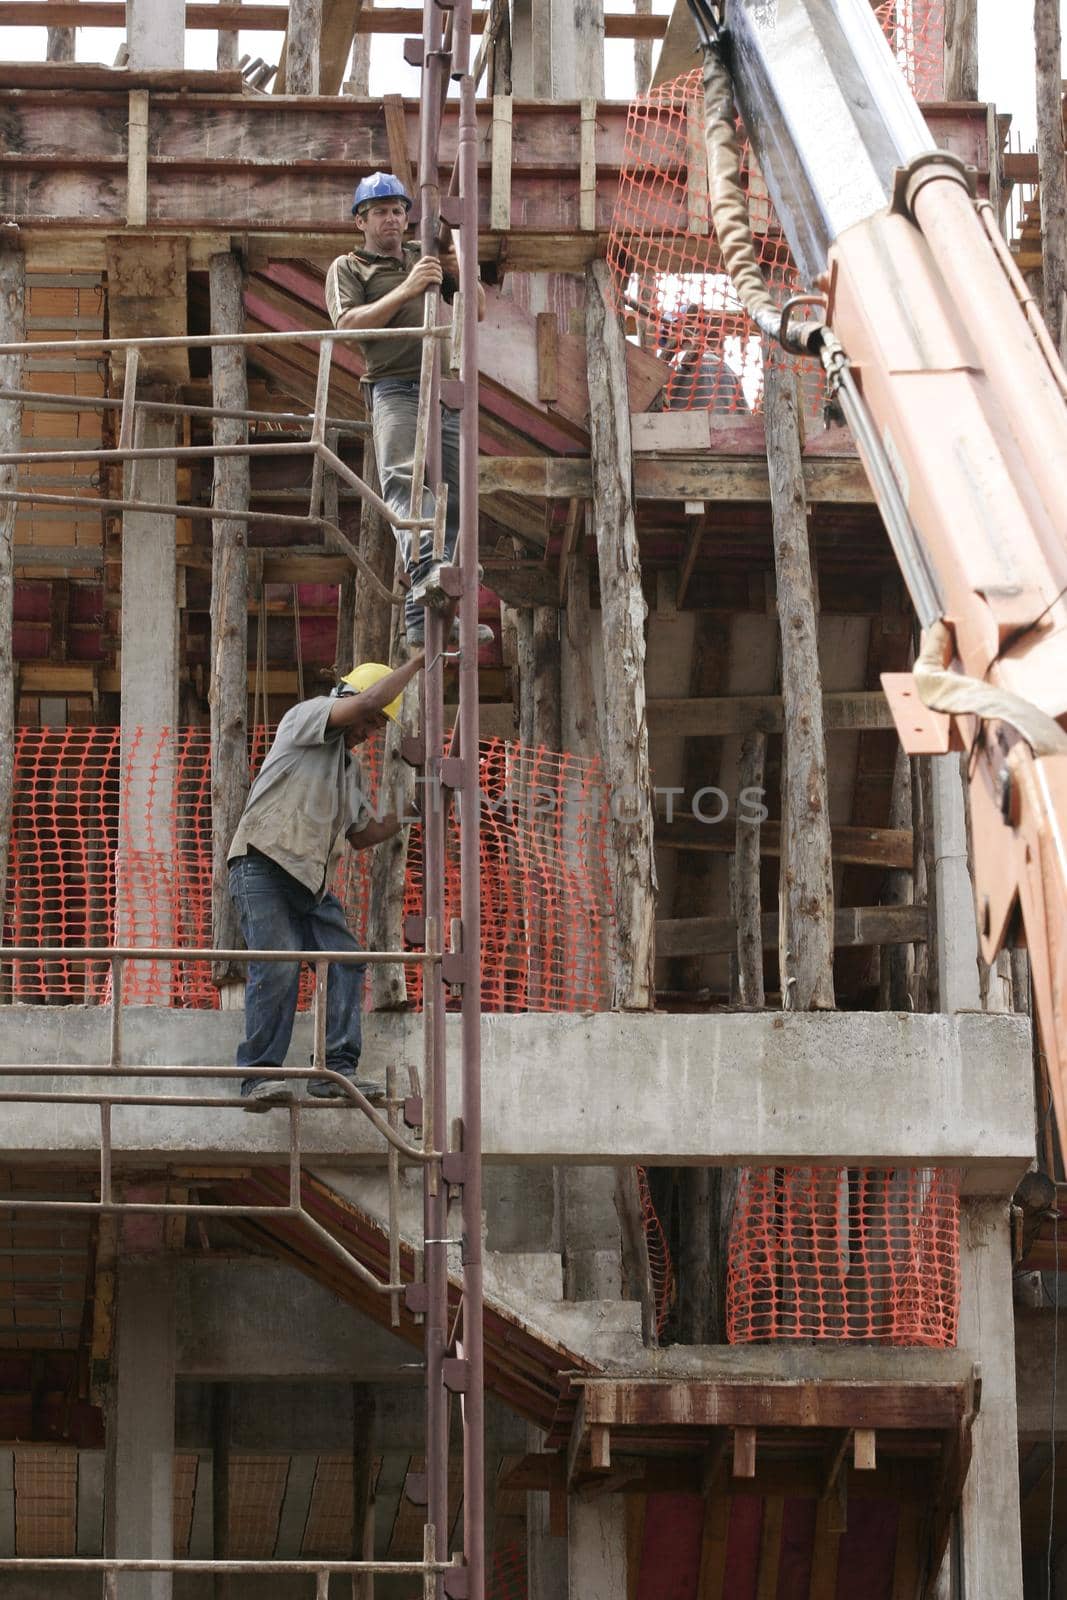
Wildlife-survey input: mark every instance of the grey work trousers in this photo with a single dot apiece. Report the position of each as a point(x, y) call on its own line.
point(395, 403)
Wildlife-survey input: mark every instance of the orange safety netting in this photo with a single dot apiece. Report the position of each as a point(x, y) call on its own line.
point(507, 1579)
point(114, 847)
point(660, 1264)
point(858, 1254)
point(662, 249)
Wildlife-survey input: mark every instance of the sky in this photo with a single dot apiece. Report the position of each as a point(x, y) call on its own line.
point(1005, 48)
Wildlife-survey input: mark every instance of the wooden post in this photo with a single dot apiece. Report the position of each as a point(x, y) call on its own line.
point(359, 80)
point(363, 1406)
point(623, 610)
point(961, 49)
point(59, 44)
point(12, 331)
point(806, 929)
point(642, 52)
point(745, 877)
point(302, 43)
point(1050, 159)
point(228, 686)
point(227, 51)
point(373, 625)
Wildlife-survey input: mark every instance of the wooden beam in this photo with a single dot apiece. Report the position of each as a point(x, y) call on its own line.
point(826, 481)
point(855, 926)
point(778, 1403)
point(697, 517)
point(961, 49)
point(890, 848)
point(865, 1450)
point(500, 158)
point(625, 732)
point(256, 18)
point(806, 932)
point(1050, 151)
point(844, 711)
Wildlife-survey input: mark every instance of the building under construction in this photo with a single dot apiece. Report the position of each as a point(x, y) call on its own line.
point(704, 1243)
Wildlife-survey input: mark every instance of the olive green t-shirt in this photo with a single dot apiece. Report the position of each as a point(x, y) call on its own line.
point(359, 279)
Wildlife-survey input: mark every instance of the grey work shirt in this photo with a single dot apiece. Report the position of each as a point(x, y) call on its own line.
point(305, 799)
point(359, 279)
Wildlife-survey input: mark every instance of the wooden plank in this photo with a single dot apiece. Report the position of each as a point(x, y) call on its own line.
point(578, 1439)
point(746, 481)
point(587, 174)
point(600, 1448)
point(396, 133)
point(500, 156)
point(12, 331)
point(712, 1403)
point(137, 160)
point(147, 299)
point(698, 523)
point(770, 1547)
point(855, 926)
point(744, 1464)
point(864, 1450)
point(547, 355)
point(824, 1560)
point(853, 846)
point(713, 1547)
point(696, 178)
point(906, 1564)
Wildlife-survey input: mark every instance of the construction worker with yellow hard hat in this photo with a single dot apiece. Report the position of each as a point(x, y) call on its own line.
point(306, 802)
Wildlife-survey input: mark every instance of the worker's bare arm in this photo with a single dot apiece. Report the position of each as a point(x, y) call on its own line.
point(374, 832)
point(365, 712)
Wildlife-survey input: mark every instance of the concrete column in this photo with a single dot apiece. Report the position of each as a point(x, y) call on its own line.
point(955, 956)
point(989, 1513)
point(140, 1425)
point(589, 1230)
point(149, 710)
point(596, 1548)
point(155, 34)
point(992, 1550)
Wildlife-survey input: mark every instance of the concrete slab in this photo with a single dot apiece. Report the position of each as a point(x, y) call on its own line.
point(759, 1089)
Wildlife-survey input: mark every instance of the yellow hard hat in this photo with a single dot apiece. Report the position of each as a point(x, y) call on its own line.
point(367, 674)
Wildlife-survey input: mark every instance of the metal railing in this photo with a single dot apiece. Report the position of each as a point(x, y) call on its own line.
point(452, 1345)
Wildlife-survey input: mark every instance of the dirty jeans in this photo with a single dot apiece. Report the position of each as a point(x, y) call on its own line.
point(279, 913)
point(394, 417)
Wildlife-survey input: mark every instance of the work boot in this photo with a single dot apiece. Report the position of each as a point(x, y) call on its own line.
point(428, 590)
point(327, 1089)
point(263, 1094)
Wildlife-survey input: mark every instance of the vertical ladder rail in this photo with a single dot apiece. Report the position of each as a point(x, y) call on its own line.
point(470, 884)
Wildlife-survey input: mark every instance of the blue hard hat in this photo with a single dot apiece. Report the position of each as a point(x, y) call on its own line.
point(379, 186)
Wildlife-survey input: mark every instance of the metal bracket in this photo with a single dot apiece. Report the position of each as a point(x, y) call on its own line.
point(907, 181)
point(453, 394)
point(451, 208)
point(922, 732)
point(413, 1111)
point(456, 1374)
point(413, 52)
point(453, 771)
point(454, 1168)
point(416, 1489)
point(454, 968)
point(413, 749)
point(457, 1583)
point(416, 1299)
point(414, 928)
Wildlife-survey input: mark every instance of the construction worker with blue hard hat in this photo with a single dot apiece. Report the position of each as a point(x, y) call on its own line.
point(381, 284)
point(307, 800)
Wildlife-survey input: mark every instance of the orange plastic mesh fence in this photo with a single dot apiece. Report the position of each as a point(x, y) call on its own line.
point(114, 847)
point(660, 1264)
point(662, 249)
point(858, 1254)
